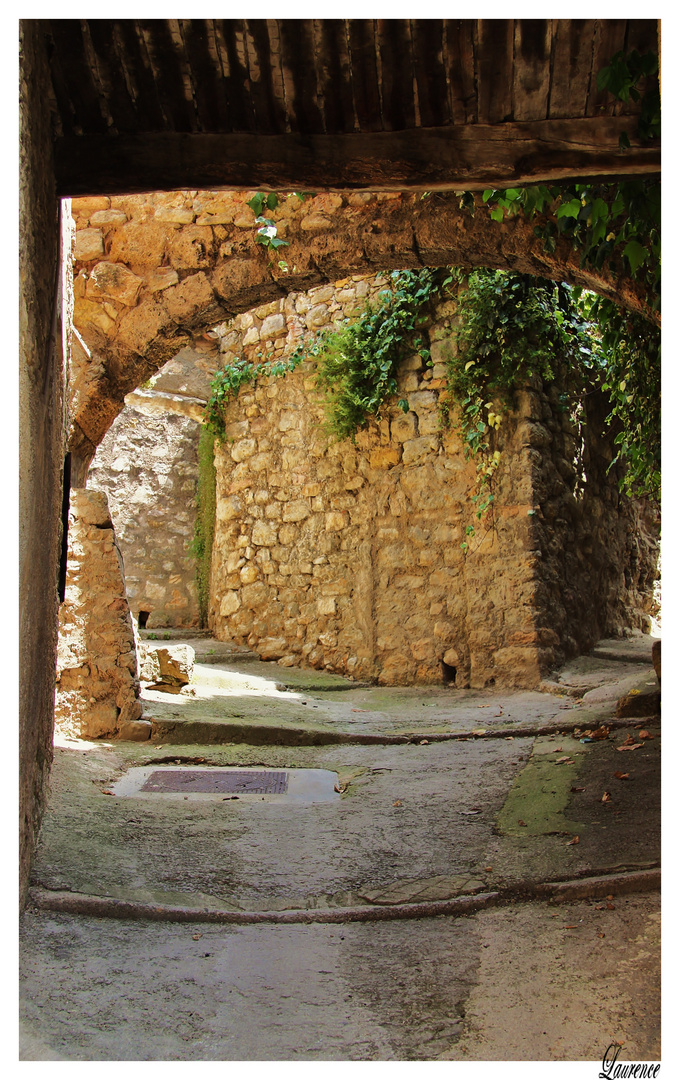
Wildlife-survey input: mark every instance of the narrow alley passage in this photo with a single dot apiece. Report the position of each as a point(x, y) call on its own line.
point(465, 891)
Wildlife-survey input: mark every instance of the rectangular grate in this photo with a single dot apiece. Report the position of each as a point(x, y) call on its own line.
point(215, 782)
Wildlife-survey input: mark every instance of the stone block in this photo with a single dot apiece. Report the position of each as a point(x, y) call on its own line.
point(243, 449)
point(404, 427)
point(272, 648)
point(107, 218)
point(89, 245)
point(417, 449)
point(87, 312)
point(336, 520)
point(115, 282)
point(134, 731)
point(297, 510)
point(385, 457)
point(229, 509)
point(229, 604)
point(264, 535)
point(274, 326)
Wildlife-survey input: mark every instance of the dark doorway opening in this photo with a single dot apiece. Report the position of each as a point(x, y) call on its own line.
point(141, 619)
point(448, 674)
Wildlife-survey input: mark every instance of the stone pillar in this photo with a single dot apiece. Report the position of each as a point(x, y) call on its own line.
point(97, 683)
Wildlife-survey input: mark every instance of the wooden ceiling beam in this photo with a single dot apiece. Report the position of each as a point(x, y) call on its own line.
point(471, 157)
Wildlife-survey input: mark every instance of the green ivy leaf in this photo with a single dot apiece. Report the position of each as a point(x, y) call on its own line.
point(636, 254)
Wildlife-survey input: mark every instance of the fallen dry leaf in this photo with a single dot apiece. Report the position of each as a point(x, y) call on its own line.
point(610, 897)
point(557, 750)
point(599, 733)
point(341, 788)
point(424, 742)
point(107, 792)
point(610, 907)
point(488, 867)
point(644, 735)
point(622, 775)
point(601, 935)
point(606, 797)
point(578, 789)
point(520, 822)
point(397, 803)
point(197, 937)
point(571, 927)
point(575, 840)
point(479, 731)
point(633, 746)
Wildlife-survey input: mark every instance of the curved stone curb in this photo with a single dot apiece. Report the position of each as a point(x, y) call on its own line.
point(111, 908)
point(264, 735)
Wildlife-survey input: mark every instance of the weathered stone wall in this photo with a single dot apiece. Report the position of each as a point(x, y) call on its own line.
point(348, 556)
point(148, 466)
point(97, 685)
point(156, 270)
point(597, 551)
point(43, 358)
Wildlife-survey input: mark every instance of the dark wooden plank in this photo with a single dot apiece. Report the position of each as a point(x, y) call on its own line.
point(495, 69)
point(229, 34)
point(66, 124)
point(299, 72)
point(459, 63)
point(335, 75)
point(75, 75)
point(609, 39)
point(571, 65)
point(428, 62)
point(396, 68)
point(642, 35)
point(276, 74)
point(365, 88)
point(167, 71)
point(462, 156)
point(104, 37)
point(269, 112)
point(206, 74)
point(131, 50)
point(531, 82)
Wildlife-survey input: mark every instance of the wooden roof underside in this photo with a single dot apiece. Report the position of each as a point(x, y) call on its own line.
point(145, 105)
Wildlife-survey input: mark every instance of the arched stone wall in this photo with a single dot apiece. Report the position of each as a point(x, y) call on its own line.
point(153, 270)
point(348, 555)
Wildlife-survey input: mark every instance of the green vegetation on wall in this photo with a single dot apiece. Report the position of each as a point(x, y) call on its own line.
point(205, 520)
point(357, 365)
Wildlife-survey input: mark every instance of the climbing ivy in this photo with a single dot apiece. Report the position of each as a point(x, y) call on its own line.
point(227, 382)
point(204, 530)
point(604, 222)
point(629, 354)
point(357, 364)
point(509, 327)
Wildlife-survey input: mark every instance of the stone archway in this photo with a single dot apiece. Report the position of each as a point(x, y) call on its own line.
point(154, 270)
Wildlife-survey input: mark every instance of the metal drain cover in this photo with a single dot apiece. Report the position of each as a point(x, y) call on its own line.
point(217, 782)
point(247, 785)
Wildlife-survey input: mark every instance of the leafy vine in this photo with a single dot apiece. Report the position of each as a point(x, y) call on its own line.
point(357, 365)
point(509, 327)
point(226, 384)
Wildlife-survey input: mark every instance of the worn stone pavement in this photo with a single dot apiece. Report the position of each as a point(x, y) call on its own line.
point(207, 928)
